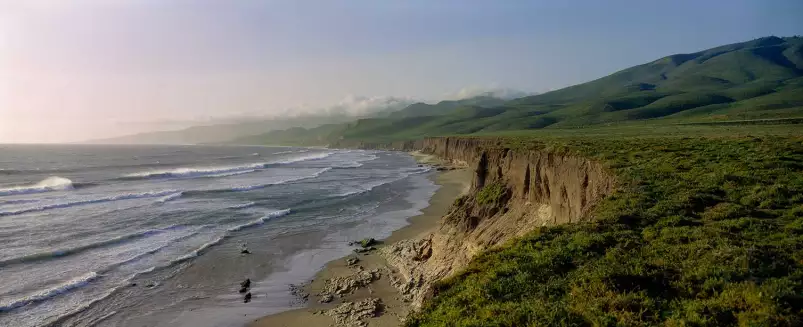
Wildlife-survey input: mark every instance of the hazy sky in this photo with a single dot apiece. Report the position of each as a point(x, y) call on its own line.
point(78, 69)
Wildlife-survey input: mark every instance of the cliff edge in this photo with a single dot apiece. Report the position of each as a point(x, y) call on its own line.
point(513, 192)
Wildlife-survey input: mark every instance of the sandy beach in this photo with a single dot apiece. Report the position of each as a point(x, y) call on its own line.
point(453, 183)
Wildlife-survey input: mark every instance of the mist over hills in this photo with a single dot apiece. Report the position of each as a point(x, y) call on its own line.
point(226, 129)
point(757, 79)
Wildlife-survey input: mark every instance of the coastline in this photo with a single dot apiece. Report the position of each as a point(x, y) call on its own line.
point(453, 183)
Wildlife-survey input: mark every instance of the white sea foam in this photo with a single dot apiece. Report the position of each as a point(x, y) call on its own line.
point(184, 172)
point(220, 171)
point(77, 282)
point(169, 197)
point(54, 183)
point(260, 221)
point(198, 251)
point(127, 196)
point(243, 206)
point(242, 188)
point(313, 156)
point(234, 173)
point(71, 250)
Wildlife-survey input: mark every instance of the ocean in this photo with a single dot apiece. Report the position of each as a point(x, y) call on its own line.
point(101, 235)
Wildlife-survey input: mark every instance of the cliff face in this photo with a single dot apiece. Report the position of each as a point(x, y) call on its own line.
point(513, 192)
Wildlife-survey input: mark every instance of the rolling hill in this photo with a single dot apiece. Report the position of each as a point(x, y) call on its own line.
point(757, 79)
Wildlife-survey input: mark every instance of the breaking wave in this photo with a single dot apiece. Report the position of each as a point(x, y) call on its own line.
point(73, 250)
point(197, 172)
point(49, 293)
point(220, 171)
point(54, 183)
point(314, 156)
point(260, 221)
point(169, 197)
point(242, 206)
point(127, 196)
point(243, 188)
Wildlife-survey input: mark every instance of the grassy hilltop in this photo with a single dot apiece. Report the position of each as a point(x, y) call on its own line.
point(758, 79)
point(700, 232)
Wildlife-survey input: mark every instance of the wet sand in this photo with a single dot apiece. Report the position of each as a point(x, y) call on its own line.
point(453, 183)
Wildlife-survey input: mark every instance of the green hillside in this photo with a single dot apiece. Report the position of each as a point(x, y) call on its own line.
point(701, 231)
point(758, 79)
point(445, 107)
point(392, 121)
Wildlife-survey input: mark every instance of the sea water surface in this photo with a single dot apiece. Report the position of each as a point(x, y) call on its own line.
point(95, 235)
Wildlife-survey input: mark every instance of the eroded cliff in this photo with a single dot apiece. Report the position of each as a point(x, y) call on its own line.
point(513, 192)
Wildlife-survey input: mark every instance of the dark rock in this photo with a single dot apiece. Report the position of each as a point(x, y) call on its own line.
point(245, 251)
point(246, 283)
point(133, 284)
point(244, 289)
point(368, 242)
point(247, 297)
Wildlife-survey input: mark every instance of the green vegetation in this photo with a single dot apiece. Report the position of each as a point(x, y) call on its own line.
point(366, 242)
point(705, 228)
point(491, 193)
point(758, 79)
point(702, 231)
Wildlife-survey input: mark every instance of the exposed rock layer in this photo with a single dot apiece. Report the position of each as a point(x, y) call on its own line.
point(513, 192)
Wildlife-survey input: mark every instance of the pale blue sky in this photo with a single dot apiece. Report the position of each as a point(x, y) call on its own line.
point(99, 68)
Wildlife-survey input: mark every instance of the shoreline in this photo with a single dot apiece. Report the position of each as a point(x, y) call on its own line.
point(453, 183)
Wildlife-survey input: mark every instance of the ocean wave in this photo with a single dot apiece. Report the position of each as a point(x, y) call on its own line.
point(242, 206)
point(59, 321)
point(220, 171)
point(259, 221)
point(313, 156)
point(141, 255)
point(364, 189)
point(207, 245)
point(367, 187)
point(18, 201)
point(127, 196)
point(169, 197)
point(195, 252)
point(69, 251)
point(49, 293)
point(243, 188)
point(49, 184)
point(234, 173)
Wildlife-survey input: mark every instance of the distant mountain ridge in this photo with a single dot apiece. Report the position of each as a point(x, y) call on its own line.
point(323, 134)
point(226, 132)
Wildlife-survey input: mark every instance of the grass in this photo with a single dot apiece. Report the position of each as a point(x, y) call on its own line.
point(491, 194)
point(702, 231)
point(757, 79)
